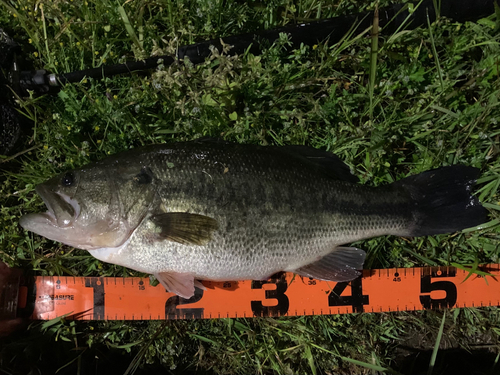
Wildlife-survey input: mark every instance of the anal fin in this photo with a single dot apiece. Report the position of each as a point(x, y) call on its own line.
point(340, 265)
point(198, 284)
point(182, 284)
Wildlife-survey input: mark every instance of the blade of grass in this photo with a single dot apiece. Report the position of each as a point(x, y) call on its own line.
point(489, 224)
point(373, 58)
point(399, 31)
point(142, 352)
point(310, 359)
point(437, 7)
point(421, 257)
point(497, 21)
point(347, 40)
point(78, 358)
point(489, 189)
point(497, 358)
point(472, 269)
point(434, 51)
point(492, 206)
point(204, 339)
point(45, 38)
point(369, 366)
point(436, 345)
point(129, 28)
point(354, 361)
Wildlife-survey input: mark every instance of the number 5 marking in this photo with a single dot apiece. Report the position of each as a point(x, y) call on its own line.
point(428, 286)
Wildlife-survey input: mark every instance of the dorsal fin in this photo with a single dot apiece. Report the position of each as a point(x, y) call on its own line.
point(321, 161)
point(318, 160)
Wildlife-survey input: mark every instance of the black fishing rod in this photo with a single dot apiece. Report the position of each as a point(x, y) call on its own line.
point(333, 29)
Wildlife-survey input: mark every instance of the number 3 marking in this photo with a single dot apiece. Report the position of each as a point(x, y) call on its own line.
point(281, 308)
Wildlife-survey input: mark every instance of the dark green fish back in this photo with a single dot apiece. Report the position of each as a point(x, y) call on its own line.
point(245, 177)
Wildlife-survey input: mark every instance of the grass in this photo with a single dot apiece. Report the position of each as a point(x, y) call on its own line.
point(429, 99)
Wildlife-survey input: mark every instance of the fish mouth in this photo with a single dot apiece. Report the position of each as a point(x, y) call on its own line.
point(61, 208)
point(62, 211)
point(67, 222)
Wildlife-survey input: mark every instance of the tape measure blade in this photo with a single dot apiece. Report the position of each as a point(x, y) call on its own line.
point(98, 298)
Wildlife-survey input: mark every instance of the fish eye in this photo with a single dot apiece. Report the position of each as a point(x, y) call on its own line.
point(68, 179)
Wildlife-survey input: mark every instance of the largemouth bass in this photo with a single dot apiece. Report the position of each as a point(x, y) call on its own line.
point(211, 210)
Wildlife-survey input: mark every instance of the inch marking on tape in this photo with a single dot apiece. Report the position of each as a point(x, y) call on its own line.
point(286, 294)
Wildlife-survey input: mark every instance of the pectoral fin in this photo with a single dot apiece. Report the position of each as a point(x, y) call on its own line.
point(340, 265)
point(181, 284)
point(186, 228)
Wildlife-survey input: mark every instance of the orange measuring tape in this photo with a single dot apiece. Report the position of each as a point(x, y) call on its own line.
point(286, 294)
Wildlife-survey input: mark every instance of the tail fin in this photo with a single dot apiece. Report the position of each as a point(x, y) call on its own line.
point(442, 200)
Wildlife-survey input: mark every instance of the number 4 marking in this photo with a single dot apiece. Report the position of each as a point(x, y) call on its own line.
point(357, 299)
